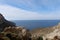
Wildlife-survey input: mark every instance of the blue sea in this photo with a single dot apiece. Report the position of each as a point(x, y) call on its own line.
point(33, 24)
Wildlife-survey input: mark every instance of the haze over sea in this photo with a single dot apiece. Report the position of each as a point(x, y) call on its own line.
point(32, 24)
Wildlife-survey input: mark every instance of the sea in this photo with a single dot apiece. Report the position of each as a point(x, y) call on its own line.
point(33, 24)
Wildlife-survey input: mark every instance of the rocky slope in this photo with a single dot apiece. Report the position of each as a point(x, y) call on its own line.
point(5, 23)
point(15, 33)
point(21, 33)
point(48, 32)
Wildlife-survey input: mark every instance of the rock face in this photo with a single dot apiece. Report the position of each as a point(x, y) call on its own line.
point(5, 23)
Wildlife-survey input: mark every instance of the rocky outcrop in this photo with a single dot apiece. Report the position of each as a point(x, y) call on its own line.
point(20, 32)
point(5, 23)
point(9, 31)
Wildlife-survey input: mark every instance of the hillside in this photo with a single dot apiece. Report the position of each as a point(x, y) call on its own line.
point(46, 32)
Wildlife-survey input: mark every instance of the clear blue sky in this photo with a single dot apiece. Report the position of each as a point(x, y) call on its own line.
point(30, 9)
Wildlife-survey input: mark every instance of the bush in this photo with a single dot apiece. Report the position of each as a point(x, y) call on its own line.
point(40, 38)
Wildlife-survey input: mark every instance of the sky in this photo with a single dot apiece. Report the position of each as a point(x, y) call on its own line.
point(30, 9)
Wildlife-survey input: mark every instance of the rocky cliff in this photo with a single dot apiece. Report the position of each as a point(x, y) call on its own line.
point(5, 23)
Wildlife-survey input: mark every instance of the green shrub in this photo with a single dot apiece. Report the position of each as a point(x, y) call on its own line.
point(40, 38)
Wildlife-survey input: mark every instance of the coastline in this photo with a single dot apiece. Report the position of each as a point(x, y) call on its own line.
point(45, 33)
